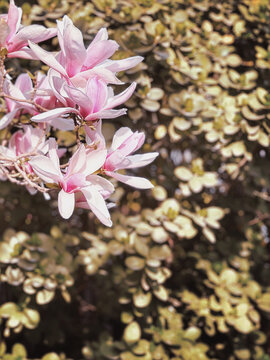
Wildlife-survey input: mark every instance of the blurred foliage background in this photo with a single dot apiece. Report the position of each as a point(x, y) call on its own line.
point(184, 274)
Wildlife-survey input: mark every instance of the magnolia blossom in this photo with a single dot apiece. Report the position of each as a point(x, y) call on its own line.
point(124, 143)
point(79, 64)
point(22, 142)
point(78, 183)
point(14, 37)
point(28, 139)
point(23, 90)
point(74, 93)
point(94, 102)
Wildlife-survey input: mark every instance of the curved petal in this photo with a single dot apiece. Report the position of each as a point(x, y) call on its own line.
point(77, 162)
point(79, 98)
point(140, 160)
point(104, 186)
point(24, 83)
point(106, 114)
point(62, 124)
point(24, 53)
point(99, 52)
point(56, 83)
point(66, 204)
point(74, 48)
point(97, 91)
point(101, 35)
point(47, 58)
point(34, 33)
point(134, 181)
point(4, 33)
point(53, 153)
point(45, 169)
point(52, 114)
point(14, 18)
point(120, 136)
point(13, 90)
point(122, 97)
point(81, 78)
point(95, 136)
point(95, 160)
point(7, 118)
point(124, 64)
point(97, 204)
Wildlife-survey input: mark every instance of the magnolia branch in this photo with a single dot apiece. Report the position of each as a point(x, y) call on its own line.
point(31, 102)
point(16, 173)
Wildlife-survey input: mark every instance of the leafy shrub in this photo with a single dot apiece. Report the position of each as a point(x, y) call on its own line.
point(184, 272)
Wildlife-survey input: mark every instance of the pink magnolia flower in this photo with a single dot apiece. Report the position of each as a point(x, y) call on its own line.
point(95, 102)
point(26, 140)
point(22, 142)
point(79, 64)
point(20, 90)
point(23, 89)
point(14, 37)
point(125, 142)
point(79, 185)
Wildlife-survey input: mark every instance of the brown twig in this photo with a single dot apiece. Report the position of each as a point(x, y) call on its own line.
point(260, 217)
point(31, 102)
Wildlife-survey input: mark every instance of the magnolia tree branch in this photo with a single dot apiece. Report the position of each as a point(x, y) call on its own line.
point(76, 95)
point(31, 102)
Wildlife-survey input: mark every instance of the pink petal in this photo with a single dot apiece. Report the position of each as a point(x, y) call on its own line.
point(140, 160)
point(8, 152)
point(106, 114)
point(124, 64)
point(56, 83)
point(134, 181)
point(24, 53)
point(60, 34)
point(77, 162)
point(25, 142)
point(52, 114)
point(79, 98)
point(107, 76)
point(101, 35)
point(74, 183)
point(14, 91)
point(129, 144)
point(7, 118)
point(120, 136)
point(97, 204)
point(122, 97)
point(74, 48)
point(45, 169)
point(62, 124)
point(47, 58)
point(24, 83)
point(99, 52)
point(13, 141)
point(95, 136)
point(4, 32)
point(104, 186)
point(66, 204)
point(97, 91)
point(14, 18)
point(33, 33)
point(53, 153)
point(115, 161)
point(95, 160)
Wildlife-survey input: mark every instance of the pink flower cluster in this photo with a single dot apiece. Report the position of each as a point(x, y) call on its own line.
point(75, 93)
